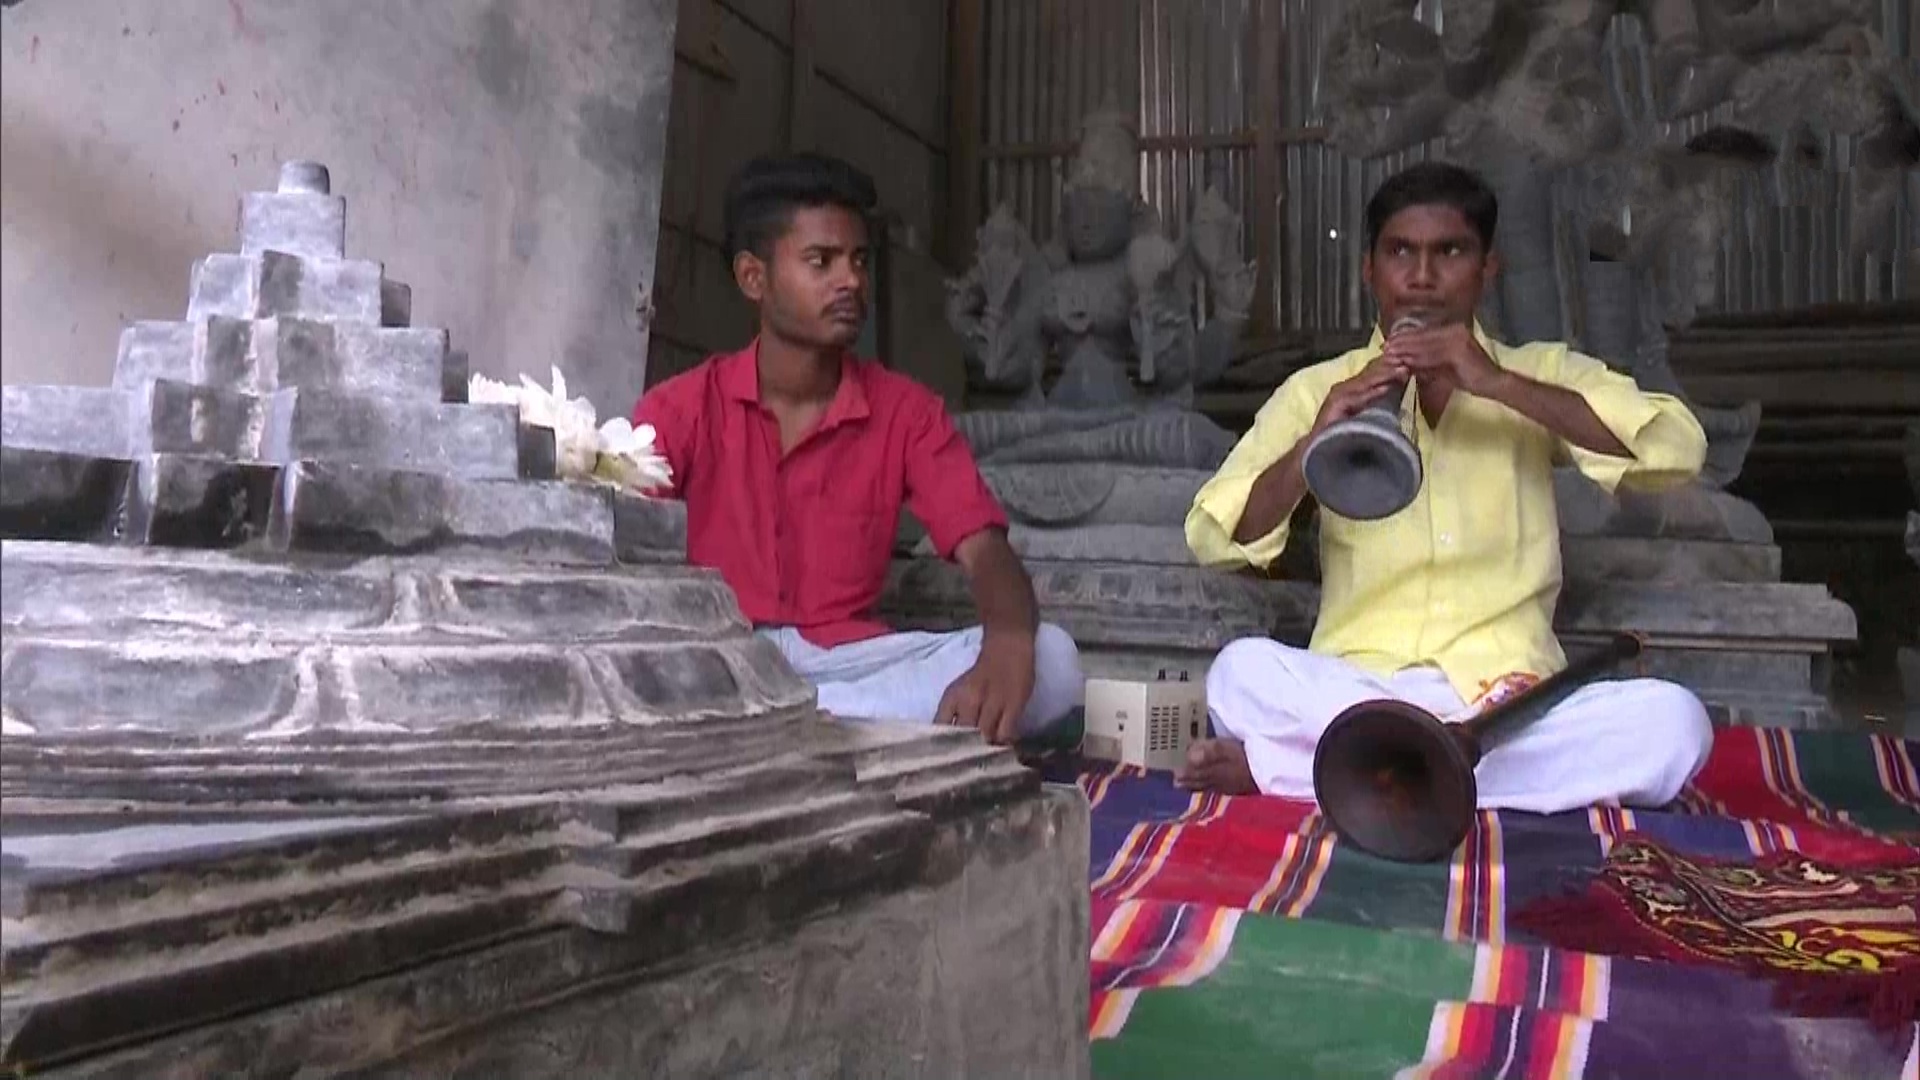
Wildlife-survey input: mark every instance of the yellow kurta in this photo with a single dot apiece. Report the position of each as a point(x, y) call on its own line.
point(1466, 578)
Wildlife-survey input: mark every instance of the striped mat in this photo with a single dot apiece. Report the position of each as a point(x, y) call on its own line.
point(1236, 937)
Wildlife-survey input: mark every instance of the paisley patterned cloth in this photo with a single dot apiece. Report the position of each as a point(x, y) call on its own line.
point(1840, 937)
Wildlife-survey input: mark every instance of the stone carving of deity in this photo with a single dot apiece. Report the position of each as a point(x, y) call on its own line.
point(1111, 297)
point(1607, 233)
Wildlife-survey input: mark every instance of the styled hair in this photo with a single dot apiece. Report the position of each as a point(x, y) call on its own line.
point(763, 195)
point(1435, 183)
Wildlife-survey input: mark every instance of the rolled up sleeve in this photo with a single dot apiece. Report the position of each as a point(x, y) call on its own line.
point(1217, 508)
point(1666, 446)
point(944, 487)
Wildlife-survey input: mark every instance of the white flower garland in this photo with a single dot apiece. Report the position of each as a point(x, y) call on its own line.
point(615, 453)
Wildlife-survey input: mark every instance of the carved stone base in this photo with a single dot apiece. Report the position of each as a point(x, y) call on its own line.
point(1601, 559)
point(1128, 619)
point(811, 913)
point(1591, 549)
point(155, 643)
point(925, 983)
point(380, 808)
point(1758, 653)
point(1692, 512)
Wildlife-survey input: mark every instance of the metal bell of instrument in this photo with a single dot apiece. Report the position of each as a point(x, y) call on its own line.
point(1366, 467)
point(1398, 782)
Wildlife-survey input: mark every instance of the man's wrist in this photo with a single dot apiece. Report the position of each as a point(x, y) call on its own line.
point(1503, 386)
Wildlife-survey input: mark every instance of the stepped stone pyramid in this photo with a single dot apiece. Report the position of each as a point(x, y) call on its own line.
point(295, 398)
point(339, 734)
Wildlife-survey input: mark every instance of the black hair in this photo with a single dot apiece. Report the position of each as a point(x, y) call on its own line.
point(763, 195)
point(1435, 183)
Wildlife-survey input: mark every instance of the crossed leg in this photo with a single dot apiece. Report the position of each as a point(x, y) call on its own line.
point(902, 676)
point(1633, 742)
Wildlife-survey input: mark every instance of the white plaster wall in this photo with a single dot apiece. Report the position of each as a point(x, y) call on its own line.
point(503, 157)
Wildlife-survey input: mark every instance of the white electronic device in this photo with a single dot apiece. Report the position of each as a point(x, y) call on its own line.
point(1148, 724)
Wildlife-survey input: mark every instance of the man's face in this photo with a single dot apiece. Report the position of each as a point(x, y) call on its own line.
point(1428, 262)
point(813, 290)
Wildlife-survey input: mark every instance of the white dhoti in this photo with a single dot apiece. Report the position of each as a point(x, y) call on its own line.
point(1626, 742)
point(903, 676)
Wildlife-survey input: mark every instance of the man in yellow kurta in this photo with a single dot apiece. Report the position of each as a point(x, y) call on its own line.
point(1452, 598)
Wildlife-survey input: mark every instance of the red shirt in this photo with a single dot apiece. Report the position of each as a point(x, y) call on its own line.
point(804, 540)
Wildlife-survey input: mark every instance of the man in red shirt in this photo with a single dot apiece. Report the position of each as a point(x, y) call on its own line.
point(794, 458)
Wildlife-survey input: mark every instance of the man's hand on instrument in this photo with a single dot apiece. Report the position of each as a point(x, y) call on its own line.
point(1351, 395)
point(1449, 354)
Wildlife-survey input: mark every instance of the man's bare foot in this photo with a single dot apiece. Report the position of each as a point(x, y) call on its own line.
point(1217, 765)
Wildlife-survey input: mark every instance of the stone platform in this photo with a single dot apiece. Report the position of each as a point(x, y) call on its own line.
point(343, 738)
point(1130, 620)
point(1721, 639)
point(1104, 541)
point(552, 907)
point(1105, 544)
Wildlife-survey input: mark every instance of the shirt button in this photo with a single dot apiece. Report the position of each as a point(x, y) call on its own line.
point(1446, 539)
